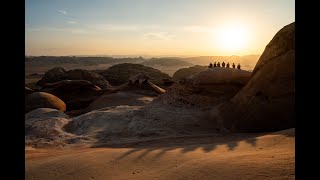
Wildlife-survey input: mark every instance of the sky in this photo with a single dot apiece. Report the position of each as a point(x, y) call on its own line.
point(153, 27)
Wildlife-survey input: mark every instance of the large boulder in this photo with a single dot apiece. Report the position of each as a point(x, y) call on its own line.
point(43, 100)
point(53, 75)
point(267, 102)
point(220, 75)
point(186, 72)
point(120, 73)
point(206, 88)
point(96, 79)
point(77, 94)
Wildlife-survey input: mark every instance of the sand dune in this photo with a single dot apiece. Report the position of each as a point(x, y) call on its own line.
point(215, 156)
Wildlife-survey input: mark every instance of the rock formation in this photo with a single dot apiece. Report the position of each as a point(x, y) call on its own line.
point(53, 75)
point(77, 94)
point(58, 74)
point(186, 72)
point(96, 79)
point(43, 100)
point(267, 102)
point(120, 73)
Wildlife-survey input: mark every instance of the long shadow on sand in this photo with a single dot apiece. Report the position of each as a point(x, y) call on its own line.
point(207, 143)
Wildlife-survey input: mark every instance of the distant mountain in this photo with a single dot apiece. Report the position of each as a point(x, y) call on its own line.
point(80, 60)
point(167, 65)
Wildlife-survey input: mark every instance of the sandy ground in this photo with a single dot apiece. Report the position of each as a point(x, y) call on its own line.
point(215, 156)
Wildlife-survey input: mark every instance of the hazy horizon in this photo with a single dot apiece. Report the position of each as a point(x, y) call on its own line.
point(153, 28)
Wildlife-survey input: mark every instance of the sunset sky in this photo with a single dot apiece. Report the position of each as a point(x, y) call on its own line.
point(153, 27)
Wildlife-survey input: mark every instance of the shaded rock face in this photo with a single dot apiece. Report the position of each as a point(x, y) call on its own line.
point(43, 100)
point(58, 74)
point(267, 102)
point(53, 75)
point(27, 91)
point(185, 72)
point(77, 94)
point(120, 73)
point(96, 79)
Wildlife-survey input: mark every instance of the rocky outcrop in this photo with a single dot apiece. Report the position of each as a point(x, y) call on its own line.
point(58, 74)
point(206, 88)
point(186, 72)
point(220, 75)
point(120, 73)
point(43, 100)
point(53, 75)
point(267, 102)
point(140, 83)
point(96, 79)
point(77, 94)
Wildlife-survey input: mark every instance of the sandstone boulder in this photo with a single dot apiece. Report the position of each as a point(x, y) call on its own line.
point(43, 100)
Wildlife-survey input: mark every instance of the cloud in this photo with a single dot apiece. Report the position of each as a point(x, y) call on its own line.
point(54, 29)
point(200, 29)
point(158, 36)
point(72, 22)
point(62, 12)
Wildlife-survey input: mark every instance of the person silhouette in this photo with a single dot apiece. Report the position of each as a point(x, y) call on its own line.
point(215, 64)
point(238, 66)
point(233, 66)
point(210, 65)
point(228, 65)
point(218, 65)
point(223, 64)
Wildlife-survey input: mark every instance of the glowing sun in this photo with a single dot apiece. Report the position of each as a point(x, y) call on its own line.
point(233, 37)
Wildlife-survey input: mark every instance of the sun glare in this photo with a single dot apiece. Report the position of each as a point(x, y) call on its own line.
point(233, 38)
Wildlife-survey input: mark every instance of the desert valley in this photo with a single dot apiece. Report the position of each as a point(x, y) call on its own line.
point(162, 118)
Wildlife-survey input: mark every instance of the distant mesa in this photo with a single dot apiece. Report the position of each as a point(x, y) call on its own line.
point(267, 102)
point(166, 62)
point(43, 100)
point(120, 73)
point(186, 72)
